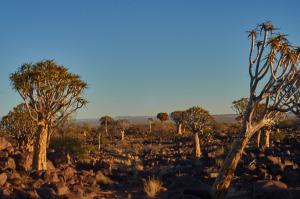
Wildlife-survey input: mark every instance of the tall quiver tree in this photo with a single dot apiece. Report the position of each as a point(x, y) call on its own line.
point(50, 93)
point(106, 121)
point(274, 83)
point(122, 125)
point(20, 127)
point(178, 117)
point(196, 119)
point(163, 116)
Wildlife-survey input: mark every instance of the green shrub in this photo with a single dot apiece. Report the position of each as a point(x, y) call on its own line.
point(74, 146)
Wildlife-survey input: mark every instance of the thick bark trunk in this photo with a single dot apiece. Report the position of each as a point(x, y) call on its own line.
point(150, 127)
point(49, 134)
point(226, 172)
point(40, 148)
point(267, 139)
point(258, 139)
point(106, 127)
point(197, 149)
point(99, 141)
point(122, 135)
point(179, 127)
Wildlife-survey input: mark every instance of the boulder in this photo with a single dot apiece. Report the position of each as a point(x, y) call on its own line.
point(47, 193)
point(61, 188)
point(50, 165)
point(23, 161)
point(4, 143)
point(3, 178)
point(10, 164)
point(69, 172)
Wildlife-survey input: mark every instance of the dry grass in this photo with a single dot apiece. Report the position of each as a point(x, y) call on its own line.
point(152, 186)
point(102, 179)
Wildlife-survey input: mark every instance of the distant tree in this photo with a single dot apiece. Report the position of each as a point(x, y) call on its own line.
point(106, 121)
point(20, 127)
point(274, 82)
point(196, 119)
point(178, 118)
point(50, 93)
point(122, 125)
point(162, 117)
point(150, 120)
point(239, 106)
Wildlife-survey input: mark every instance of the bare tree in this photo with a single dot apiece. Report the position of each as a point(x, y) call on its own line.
point(20, 127)
point(178, 117)
point(106, 121)
point(273, 82)
point(150, 120)
point(196, 119)
point(122, 124)
point(50, 93)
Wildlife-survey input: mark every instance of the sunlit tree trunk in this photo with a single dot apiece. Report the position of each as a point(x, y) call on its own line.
point(122, 135)
point(179, 129)
point(99, 141)
point(267, 138)
point(226, 173)
point(258, 136)
point(40, 147)
point(106, 127)
point(150, 126)
point(197, 149)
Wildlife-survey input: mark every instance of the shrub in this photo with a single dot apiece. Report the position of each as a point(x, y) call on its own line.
point(152, 186)
point(74, 146)
point(102, 179)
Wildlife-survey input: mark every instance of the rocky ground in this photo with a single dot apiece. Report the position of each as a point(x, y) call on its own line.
point(121, 168)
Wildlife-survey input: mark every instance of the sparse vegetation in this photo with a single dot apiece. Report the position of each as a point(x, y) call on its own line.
point(152, 186)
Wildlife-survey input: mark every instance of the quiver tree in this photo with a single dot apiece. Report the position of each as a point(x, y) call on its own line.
point(122, 125)
point(196, 119)
point(106, 121)
point(274, 83)
point(20, 127)
point(163, 117)
point(50, 93)
point(178, 118)
point(239, 106)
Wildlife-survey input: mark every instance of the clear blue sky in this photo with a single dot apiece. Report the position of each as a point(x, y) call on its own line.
point(141, 57)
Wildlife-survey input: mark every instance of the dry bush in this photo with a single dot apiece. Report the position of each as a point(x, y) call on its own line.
point(152, 186)
point(102, 179)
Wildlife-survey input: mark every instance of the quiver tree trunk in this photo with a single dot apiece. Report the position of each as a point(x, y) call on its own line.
point(99, 141)
point(226, 173)
point(150, 126)
point(179, 129)
point(197, 149)
point(258, 136)
point(40, 148)
point(122, 135)
point(267, 138)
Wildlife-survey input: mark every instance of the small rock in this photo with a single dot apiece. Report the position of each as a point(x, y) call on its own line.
point(3, 178)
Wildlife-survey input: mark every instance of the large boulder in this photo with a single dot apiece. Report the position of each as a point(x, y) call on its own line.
point(59, 158)
point(4, 143)
point(23, 161)
point(3, 178)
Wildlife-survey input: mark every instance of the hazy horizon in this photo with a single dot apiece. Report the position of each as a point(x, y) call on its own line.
point(141, 57)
